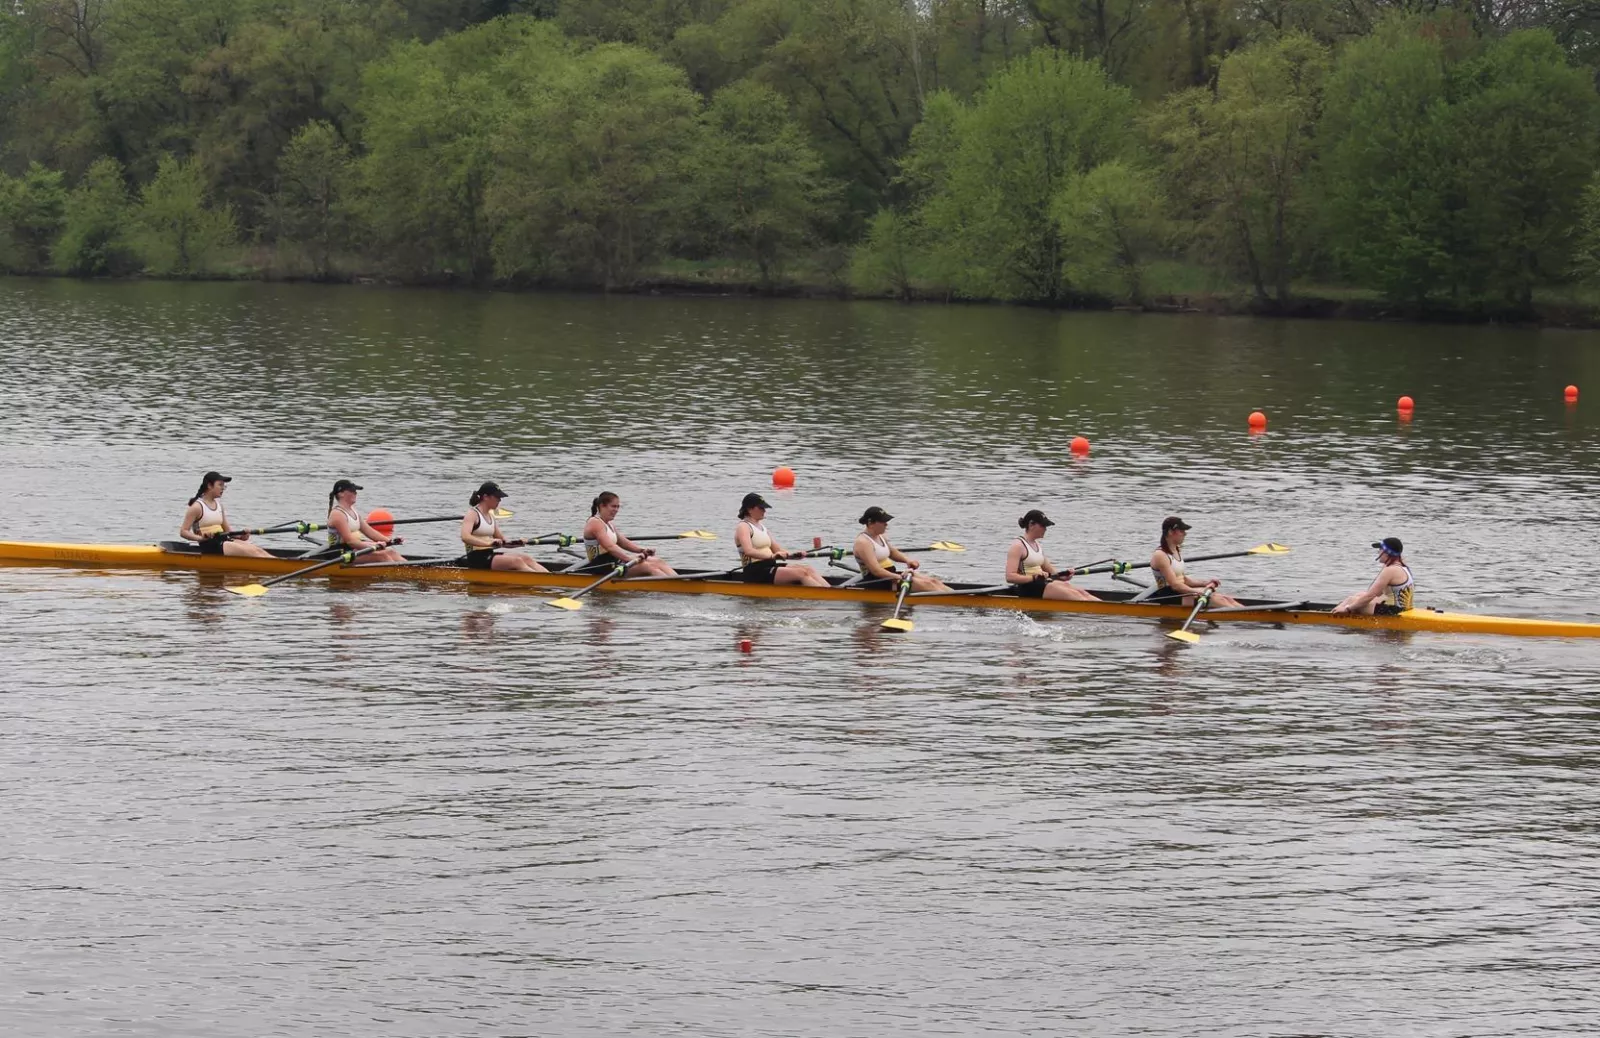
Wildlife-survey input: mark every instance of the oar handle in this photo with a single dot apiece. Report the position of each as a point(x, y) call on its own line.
point(294, 527)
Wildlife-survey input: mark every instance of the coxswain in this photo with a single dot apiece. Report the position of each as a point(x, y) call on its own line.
point(877, 557)
point(762, 559)
point(1393, 591)
point(347, 531)
point(205, 522)
point(1173, 585)
point(1030, 572)
point(481, 536)
point(607, 547)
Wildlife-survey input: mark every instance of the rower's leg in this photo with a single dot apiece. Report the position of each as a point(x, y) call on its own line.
point(1063, 591)
point(793, 574)
point(515, 562)
point(244, 549)
point(927, 584)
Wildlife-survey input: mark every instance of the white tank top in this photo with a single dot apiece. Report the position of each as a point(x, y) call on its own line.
point(355, 527)
point(1402, 595)
point(1032, 557)
point(759, 538)
point(1176, 559)
point(211, 519)
point(594, 548)
point(880, 548)
point(483, 520)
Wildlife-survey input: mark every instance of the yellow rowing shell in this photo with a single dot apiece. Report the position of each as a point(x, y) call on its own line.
point(124, 556)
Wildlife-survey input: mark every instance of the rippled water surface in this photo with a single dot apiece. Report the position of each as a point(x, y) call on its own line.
point(397, 811)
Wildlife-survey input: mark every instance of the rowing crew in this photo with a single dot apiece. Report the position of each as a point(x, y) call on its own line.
point(1028, 570)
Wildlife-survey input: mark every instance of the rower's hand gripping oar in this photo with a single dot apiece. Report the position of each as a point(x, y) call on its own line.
point(572, 602)
point(894, 623)
point(1183, 634)
point(256, 590)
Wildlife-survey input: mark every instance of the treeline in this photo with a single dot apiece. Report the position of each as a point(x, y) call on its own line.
point(1441, 154)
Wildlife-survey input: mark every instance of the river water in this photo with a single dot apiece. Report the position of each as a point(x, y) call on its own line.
point(397, 811)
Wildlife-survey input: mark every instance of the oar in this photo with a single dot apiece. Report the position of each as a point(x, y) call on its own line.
point(289, 527)
point(693, 535)
point(572, 603)
point(256, 590)
point(499, 513)
point(939, 546)
point(1183, 634)
point(1123, 567)
point(894, 623)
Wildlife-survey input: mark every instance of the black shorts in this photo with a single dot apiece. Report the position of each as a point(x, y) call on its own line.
point(1166, 596)
point(1385, 609)
point(879, 583)
point(763, 572)
point(480, 558)
point(604, 562)
point(210, 545)
point(1032, 589)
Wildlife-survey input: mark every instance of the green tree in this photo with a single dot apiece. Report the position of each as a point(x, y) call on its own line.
point(994, 168)
point(94, 240)
point(886, 261)
point(310, 207)
point(176, 231)
point(1112, 224)
point(32, 208)
point(590, 168)
point(1238, 160)
point(759, 178)
point(430, 114)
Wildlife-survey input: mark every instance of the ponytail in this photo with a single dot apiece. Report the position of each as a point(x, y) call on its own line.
point(331, 499)
point(477, 495)
point(198, 494)
point(605, 497)
point(1022, 524)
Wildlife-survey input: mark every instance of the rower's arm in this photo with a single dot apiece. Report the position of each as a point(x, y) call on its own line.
point(615, 543)
point(1162, 565)
point(340, 524)
point(191, 515)
point(471, 538)
point(1014, 574)
point(901, 557)
point(625, 544)
point(1377, 590)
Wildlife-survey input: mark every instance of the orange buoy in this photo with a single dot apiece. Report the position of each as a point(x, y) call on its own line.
point(1080, 445)
point(1572, 394)
point(1406, 403)
point(783, 476)
point(1258, 420)
point(382, 520)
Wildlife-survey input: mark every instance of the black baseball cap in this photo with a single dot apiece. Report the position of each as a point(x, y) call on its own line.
point(345, 484)
point(1035, 516)
point(1172, 522)
point(212, 476)
point(1391, 545)
point(752, 501)
point(491, 489)
point(874, 515)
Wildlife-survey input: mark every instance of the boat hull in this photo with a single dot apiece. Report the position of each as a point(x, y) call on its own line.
point(122, 556)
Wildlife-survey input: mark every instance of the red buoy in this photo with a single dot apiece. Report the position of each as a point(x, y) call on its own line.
point(783, 476)
point(1572, 394)
point(1258, 420)
point(1406, 404)
point(1080, 445)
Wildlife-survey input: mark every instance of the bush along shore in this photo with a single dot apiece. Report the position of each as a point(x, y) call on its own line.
point(1319, 160)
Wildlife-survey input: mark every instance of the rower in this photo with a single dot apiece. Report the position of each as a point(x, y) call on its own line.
point(607, 547)
point(762, 558)
point(1394, 589)
point(877, 557)
point(205, 522)
point(1030, 573)
point(347, 531)
point(1173, 585)
point(480, 534)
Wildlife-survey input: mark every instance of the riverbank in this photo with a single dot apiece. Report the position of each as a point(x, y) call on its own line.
point(1200, 292)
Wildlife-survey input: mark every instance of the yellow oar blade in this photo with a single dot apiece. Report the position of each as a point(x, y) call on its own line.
point(948, 546)
point(565, 603)
point(248, 590)
point(503, 513)
point(1184, 636)
point(1270, 549)
point(893, 624)
point(698, 535)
